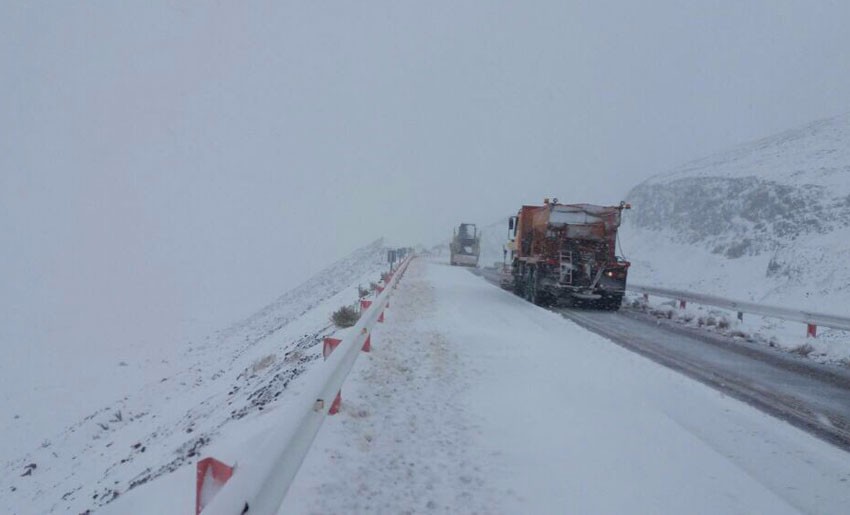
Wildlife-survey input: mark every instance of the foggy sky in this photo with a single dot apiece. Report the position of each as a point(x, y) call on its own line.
point(167, 161)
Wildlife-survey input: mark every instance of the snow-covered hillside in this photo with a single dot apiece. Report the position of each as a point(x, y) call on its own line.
point(225, 381)
point(767, 221)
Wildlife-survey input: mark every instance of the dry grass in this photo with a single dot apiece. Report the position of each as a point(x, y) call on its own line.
point(345, 316)
point(263, 363)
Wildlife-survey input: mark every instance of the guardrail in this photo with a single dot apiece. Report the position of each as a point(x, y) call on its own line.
point(258, 483)
point(810, 318)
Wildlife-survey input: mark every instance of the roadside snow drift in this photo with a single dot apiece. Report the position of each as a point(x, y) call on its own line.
point(474, 401)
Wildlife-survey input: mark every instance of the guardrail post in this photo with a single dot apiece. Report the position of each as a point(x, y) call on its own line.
point(367, 345)
point(336, 404)
point(682, 304)
point(329, 344)
point(740, 316)
point(381, 317)
point(211, 476)
point(811, 331)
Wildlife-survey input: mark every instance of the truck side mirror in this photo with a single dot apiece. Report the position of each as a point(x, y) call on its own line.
point(511, 223)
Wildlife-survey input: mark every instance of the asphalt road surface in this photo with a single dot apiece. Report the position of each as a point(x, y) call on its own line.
point(809, 395)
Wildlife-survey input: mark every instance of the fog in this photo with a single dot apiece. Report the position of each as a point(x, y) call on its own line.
point(174, 164)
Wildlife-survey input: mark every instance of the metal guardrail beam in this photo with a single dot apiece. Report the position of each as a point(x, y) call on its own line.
point(796, 315)
point(262, 478)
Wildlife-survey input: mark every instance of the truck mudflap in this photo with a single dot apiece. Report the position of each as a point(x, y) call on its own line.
point(608, 301)
point(602, 296)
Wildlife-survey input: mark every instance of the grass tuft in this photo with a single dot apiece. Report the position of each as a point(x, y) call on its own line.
point(345, 316)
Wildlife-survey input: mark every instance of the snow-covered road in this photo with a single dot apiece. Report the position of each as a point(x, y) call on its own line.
point(476, 401)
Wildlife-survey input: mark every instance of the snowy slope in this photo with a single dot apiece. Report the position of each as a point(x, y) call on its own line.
point(226, 381)
point(475, 401)
point(768, 221)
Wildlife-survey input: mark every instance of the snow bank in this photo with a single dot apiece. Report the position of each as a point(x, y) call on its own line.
point(476, 401)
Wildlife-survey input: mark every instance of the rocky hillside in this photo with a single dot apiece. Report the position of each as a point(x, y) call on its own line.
point(766, 220)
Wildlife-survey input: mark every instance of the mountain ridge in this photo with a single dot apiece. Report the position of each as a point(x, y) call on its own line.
point(766, 221)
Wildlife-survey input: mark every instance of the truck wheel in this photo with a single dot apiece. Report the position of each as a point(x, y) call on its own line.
point(612, 303)
point(535, 296)
point(518, 287)
point(526, 285)
point(520, 282)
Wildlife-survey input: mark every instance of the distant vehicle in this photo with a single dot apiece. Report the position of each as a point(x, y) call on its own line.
point(465, 246)
point(565, 254)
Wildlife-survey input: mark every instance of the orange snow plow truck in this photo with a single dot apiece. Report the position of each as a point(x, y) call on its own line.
point(565, 254)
